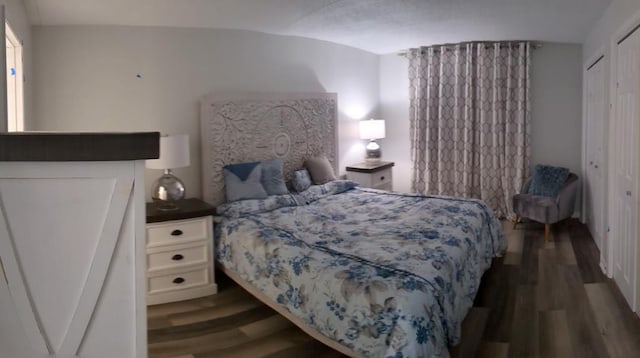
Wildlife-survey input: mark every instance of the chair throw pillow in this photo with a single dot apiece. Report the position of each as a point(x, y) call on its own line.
point(243, 181)
point(320, 169)
point(273, 178)
point(301, 180)
point(547, 180)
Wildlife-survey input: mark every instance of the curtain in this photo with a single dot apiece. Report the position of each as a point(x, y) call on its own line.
point(469, 120)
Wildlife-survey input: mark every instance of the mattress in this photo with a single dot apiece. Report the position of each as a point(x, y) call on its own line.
point(384, 274)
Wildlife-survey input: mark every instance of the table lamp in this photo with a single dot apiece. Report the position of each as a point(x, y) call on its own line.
point(174, 153)
point(372, 129)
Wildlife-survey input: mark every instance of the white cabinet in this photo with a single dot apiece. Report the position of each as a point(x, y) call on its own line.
point(72, 259)
point(180, 252)
point(72, 253)
point(372, 175)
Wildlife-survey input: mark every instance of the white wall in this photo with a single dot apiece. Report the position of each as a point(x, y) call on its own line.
point(86, 80)
point(615, 17)
point(556, 106)
point(394, 108)
point(556, 97)
point(16, 16)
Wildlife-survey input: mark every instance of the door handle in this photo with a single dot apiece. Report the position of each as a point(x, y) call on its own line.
point(628, 193)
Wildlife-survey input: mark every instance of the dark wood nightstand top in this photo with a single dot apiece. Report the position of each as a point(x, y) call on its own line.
point(369, 167)
point(187, 209)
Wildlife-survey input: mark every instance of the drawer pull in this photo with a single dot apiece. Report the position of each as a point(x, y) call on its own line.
point(176, 232)
point(178, 280)
point(177, 257)
point(382, 178)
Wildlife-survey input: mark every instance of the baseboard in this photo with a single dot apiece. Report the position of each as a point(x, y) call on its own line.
point(576, 215)
point(603, 268)
point(180, 295)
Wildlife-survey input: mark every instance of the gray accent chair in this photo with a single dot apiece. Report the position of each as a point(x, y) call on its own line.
point(544, 209)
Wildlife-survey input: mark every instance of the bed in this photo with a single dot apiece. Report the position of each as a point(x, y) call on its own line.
point(371, 273)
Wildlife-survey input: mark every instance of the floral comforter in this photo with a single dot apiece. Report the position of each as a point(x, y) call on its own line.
point(385, 274)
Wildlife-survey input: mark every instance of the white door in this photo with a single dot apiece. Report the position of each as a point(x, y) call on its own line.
point(625, 164)
point(595, 129)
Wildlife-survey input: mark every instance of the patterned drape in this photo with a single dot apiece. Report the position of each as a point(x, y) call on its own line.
point(469, 114)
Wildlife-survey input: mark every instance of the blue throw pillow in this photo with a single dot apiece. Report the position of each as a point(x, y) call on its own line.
point(242, 181)
point(272, 177)
point(547, 180)
point(301, 180)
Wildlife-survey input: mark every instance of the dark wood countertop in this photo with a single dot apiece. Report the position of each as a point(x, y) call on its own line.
point(186, 209)
point(369, 167)
point(78, 146)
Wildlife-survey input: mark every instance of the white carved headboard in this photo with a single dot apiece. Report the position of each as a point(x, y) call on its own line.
point(244, 128)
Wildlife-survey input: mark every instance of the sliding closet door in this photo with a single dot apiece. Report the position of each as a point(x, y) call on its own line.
point(625, 194)
point(595, 171)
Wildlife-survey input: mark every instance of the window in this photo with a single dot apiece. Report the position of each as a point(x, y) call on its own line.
point(15, 94)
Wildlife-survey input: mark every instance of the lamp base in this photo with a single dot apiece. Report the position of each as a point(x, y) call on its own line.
point(166, 189)
point(163, 205)
point(373, 152)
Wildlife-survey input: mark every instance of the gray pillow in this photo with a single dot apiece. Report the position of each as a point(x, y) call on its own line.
point(242, 181)
point(273, 178)
point(320, 169)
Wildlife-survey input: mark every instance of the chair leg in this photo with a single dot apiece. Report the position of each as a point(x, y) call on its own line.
point(547, 228)
point(516, 220)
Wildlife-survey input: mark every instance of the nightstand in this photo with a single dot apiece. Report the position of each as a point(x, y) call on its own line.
point(180, 252)
point(372, 175)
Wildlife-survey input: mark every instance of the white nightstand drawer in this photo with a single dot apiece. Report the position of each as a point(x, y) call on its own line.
point(178, 231)
point(372, 175)
point(386, 186)
point(178, 281)
point(381, 178)
point(177, 257)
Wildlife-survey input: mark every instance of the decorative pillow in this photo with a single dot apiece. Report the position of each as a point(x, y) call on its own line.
point(242, 181)
point(301, 180)
point(320, 169)
point(273, 178)
point(547, 180)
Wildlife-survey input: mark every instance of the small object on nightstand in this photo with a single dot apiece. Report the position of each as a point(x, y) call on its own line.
point(372, 175)
point(168, 189)
point(180, 252)
point(372, 129)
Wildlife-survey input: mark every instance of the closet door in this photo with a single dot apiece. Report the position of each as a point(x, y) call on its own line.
point(4, 125)
point(595, 171)
point(625, 193)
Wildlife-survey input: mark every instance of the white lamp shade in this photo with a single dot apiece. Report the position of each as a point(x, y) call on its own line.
point(174, 153)
point(372, 129)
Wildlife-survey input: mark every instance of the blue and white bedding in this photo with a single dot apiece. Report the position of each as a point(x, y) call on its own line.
point(385, 274)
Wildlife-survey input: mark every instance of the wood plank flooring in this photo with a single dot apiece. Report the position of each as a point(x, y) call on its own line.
point(539, 300)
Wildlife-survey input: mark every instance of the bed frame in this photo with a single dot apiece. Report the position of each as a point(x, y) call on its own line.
point(286, 314)
point(251, 127)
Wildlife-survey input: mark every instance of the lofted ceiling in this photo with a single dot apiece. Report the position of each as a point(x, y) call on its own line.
point(378, 26)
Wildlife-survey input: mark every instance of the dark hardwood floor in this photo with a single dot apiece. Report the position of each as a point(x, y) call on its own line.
point(539, 300)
